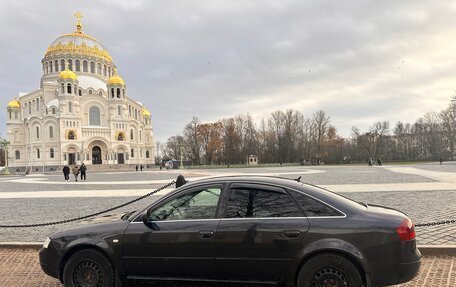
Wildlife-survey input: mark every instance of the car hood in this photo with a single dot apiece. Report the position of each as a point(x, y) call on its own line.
point(93, 230)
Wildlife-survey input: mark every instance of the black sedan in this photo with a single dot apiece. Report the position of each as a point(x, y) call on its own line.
point(241, 230)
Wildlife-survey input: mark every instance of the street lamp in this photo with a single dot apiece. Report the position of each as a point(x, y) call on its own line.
point(4, 144)
point(181, 163)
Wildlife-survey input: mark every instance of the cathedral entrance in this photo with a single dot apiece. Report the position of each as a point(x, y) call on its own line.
point(71, 158)
point(96, 155)
point(120, 158)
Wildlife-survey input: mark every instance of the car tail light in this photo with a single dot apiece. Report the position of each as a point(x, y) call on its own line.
point(406, 230)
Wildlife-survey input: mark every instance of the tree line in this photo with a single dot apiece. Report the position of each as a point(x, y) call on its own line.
point(291, 137)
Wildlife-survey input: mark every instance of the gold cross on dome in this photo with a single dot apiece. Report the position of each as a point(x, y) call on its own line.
point(78, 16)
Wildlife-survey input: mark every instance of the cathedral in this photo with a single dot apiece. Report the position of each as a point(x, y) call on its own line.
point(81, 113)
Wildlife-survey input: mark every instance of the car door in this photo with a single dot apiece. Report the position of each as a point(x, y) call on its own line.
point(178, 239)
point(260, 232)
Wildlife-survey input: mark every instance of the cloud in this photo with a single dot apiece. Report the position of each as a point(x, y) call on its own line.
point(360, 61)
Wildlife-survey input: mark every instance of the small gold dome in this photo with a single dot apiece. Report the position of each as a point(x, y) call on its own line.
point(67, 74)
point(145, 112)
point(116, 79)
point(14, 104)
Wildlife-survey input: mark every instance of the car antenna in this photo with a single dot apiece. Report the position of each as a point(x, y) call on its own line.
point(298, 179)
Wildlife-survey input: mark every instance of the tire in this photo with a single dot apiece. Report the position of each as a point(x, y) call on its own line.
point(88, 268)
point(329, 269)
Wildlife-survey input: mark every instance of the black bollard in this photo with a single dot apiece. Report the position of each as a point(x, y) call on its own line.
point(180, 181)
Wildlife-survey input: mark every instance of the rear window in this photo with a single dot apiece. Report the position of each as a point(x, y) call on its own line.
point(313, 207)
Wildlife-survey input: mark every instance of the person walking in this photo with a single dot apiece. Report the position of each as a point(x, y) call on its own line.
point(66, 173)
point(83, 170)
point(75, 172)
point(141, 167)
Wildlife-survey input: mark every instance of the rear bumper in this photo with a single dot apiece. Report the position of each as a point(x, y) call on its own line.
point(408, 271)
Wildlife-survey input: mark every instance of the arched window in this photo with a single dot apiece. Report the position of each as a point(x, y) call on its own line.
point(51, 132)
point(129, 111)
point(46, 69)
point(94, 116)
point(131, 134)
point(104, 70)
point(53, 110)
point(112, 92)
point(147, 154)
point(100, 93)
point(109, 71)
point(38, 155)
point(118, 93)
point(51, 153)
point(56, 64)
point(70, 107)
point(92, 67)
point(120, 137)
point(85, 66)
point(119, 110)
point(30, 107)
point(78, 65)
point(16, 115)
point(62, 90)
point(80, 92)
point(37, 105)
point(140, 135)
point(50, 66)
point(70, 65)
point(99, 69)
point(10, 115)
point(71, 135)
point(62, 65)
point(132, 153)
point(69, 89)
point(90, 92)
point(17, 154)
point(37, 133)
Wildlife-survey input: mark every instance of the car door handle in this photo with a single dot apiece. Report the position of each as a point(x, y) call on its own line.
point(292, 233)
point(206, 234)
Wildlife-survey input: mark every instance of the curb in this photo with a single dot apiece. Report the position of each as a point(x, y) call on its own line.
point(426, 250)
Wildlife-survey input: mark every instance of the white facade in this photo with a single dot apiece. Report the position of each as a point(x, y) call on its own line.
point(80, 113)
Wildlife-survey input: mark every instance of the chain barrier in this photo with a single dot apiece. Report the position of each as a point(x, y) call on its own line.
point(90, 215)
point(436, 223)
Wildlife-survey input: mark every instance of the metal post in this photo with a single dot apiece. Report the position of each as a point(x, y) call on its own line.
point(181, 163)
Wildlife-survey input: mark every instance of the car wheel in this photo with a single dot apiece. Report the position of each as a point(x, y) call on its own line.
point(88, 268)
point(329, 270)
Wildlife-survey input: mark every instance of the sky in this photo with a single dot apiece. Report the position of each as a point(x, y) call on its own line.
point(360, 61)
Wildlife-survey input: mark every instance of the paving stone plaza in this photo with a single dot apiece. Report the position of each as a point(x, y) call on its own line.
point(425, 192)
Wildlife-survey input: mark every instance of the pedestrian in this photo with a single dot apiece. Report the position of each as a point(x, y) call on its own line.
point(136, 167)
point(441, 160)
point(141, 167)
point(76, 172)
point(379, 162)
point(83, 170)
point(66, 173)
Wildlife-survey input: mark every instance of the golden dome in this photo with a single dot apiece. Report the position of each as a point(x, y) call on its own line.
point(116, 79)
point(67, 74)
point(14, 104)
point(78, 43)
point(145, 112)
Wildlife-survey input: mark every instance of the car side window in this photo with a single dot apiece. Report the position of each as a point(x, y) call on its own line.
point(312, 207)
point(252, 202)
point(199, 204)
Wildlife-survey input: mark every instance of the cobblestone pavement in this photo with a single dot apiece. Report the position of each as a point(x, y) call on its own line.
point(21, 268)
point(422, 205)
